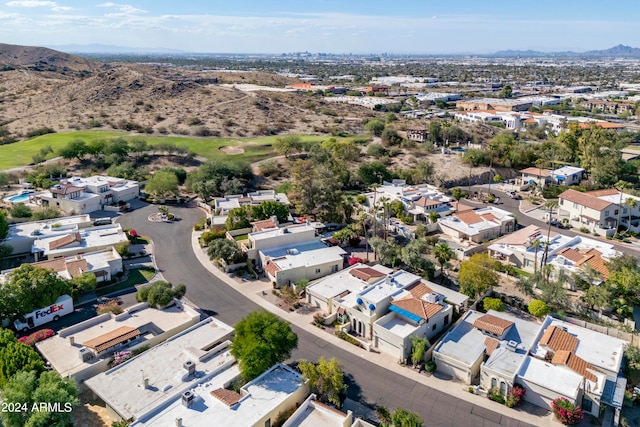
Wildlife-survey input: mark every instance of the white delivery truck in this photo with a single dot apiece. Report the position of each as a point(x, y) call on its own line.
point(62, 306)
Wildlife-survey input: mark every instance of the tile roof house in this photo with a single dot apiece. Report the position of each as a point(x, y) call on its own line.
point(598, 214)
point(417, 311)
point(541, 177)
point(524, 248)
point(550, 360)
point(477, 225)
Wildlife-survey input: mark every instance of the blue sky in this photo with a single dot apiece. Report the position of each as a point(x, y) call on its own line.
point(356, 26)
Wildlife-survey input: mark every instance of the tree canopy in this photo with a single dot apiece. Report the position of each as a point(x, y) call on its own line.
point(16, 357)
point(29, 287)
point(162, 184)
point(326, 379)
point(26, 389)
point(477, 275)
point(262, 340)
point(160, 294)
point(4, 225)
point(225, 250)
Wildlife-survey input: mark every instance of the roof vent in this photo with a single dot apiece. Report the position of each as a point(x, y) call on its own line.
point(188, 397)
point(189, 366)
point(512, 345)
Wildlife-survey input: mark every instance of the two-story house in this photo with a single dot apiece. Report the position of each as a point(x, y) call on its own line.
point(598, 214)
point(478, 225)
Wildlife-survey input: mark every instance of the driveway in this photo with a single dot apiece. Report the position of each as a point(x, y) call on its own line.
point(367, 381)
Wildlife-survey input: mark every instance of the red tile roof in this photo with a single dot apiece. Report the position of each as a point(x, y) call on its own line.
point(65, 189)
point(228, 397)
point(571, 254)
point(264, 225)
point(419, 307)
point(575, 363)
point(535, 172)
point(366, 273)
point(64, 241)
point(584, 199)
point(468, 217)
point(75, 267)
point(419, 290)
point(593, 258)
point(272, 268)
point(558, 339)
point(426, 202)
point(492, 324)
point(490, 345)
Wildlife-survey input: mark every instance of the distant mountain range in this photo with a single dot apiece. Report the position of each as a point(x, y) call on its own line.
point(619, 51)
point(103, 48)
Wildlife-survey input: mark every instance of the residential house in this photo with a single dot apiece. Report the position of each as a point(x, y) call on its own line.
point(21, 236)
point(598, 214)
point(270, 238)
point(84, 350)
point(538, 176)
point(464, 349)
point(258, 404)
point(526, 249)
point(478, 225)
point(313, 413)
point(497, 350)
point(77, 242)
point(309, 260)
point(418, 311)
point(222, 205)
point(84, 195)
point(568, 175)
point(418, 200)
point(418, 134)
point(105, 265)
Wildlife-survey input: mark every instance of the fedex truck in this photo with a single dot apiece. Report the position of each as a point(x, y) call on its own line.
point(62, 306)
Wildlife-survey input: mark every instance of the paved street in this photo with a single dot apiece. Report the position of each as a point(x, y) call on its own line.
point(367, 381)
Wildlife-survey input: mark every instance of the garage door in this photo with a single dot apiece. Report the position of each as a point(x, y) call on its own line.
point(387, 347)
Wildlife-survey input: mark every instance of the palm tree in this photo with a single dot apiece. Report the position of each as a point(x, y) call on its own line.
point(631, 204)
point(620, 186)
point(443, 254)
point(535, 244)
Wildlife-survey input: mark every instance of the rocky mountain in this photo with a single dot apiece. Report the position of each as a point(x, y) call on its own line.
point(619, 51)
point(44, 60)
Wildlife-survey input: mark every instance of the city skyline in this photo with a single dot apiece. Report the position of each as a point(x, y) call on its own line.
point(271, 26)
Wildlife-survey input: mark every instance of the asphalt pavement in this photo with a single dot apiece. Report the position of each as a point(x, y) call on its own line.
point(368, 382)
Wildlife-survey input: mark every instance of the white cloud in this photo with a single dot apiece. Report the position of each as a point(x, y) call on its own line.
point(124, 9)
point(38, 3)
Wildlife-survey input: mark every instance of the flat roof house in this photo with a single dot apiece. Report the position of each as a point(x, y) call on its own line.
point(568, 175)
point(258, 404)
point(21, 236)
point(78, 242)
point(84, 349)
point(309, 260)
point(165, 372)
point(103, 264)
point(313, 413)
point(270, 238)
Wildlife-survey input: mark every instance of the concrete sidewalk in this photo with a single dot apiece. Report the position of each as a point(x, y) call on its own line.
point(254, 290)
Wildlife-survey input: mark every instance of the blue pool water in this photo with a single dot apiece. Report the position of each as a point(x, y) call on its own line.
point(19, 198)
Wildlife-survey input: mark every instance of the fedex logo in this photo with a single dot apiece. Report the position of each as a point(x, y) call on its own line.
point(45, 312)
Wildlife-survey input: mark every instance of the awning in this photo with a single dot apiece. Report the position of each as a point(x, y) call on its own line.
point(500, 249)
point(405, 313)
point(111, 339)
point(560, 178)
point(613, 393)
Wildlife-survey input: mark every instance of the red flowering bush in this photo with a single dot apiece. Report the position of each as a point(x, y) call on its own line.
point(566, 412)
point(37, 336)
point(354, 260)
point(515, 396)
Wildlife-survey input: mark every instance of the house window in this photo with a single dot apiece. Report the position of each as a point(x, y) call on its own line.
point(334, 268)
point(615, 212)
point(267, 423)
point(503, 388)
point(317, 270)
point(446, 319)
point(606, 213)
point(587, 404)
point(434, 327)
point(494, 383)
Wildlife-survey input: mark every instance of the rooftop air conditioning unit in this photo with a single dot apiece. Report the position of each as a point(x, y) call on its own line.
point(85, 354)
point(190, 367)
point(188, 397)
point(512, 345)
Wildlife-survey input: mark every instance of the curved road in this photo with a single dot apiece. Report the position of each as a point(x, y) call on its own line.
point(367, 382)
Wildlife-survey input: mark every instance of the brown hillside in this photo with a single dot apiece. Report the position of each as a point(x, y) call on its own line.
point(44, 59)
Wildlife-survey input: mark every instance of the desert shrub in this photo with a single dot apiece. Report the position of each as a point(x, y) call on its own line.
point(39, 131)
point(493, 304)
point(567, 412)
point(109, 307)
point(216, 232)
point(430, 366)
point(20, 210)
point(494, 394)
point(37, 336)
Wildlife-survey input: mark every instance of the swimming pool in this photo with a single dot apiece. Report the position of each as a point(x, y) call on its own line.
point(19, 198)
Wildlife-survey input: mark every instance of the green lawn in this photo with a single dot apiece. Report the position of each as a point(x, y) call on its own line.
point(137, 276)
point(21, 153)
